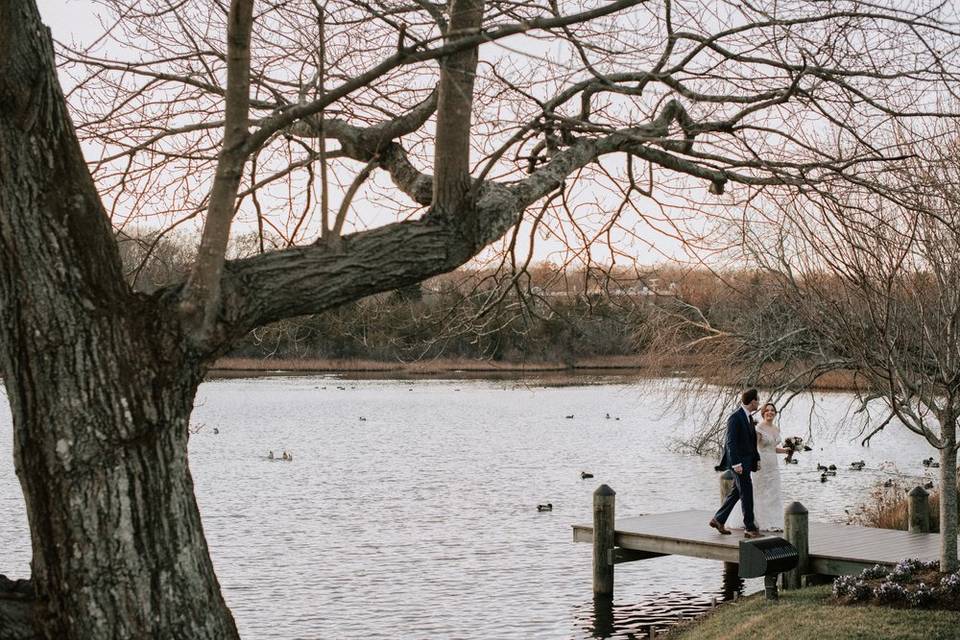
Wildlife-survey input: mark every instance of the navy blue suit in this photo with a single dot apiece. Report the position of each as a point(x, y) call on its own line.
point(740, 447)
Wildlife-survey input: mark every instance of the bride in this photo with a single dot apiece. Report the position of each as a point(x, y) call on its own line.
point(767, 496)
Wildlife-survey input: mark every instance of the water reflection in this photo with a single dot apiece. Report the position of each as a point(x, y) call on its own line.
point(605, 619)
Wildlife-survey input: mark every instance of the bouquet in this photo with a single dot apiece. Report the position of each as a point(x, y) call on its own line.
point(792, 445)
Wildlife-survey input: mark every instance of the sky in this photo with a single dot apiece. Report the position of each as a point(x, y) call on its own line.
point(77, 21)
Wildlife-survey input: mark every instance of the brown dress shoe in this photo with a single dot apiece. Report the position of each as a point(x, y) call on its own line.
point(752, 534)
point(719, 527)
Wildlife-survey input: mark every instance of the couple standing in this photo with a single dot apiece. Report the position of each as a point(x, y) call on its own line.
point(750, 451)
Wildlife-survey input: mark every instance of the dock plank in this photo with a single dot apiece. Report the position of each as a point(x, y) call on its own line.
point(833, 547)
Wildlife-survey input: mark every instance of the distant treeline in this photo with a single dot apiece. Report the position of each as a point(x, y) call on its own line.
point(546, 314)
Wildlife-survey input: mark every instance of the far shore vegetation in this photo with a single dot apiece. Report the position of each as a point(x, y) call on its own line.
point(549, 318)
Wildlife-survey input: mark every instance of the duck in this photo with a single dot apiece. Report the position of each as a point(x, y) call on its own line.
point(830, 473)
point(928, 462)
point(216, 431)
point(585, 474)
point(823, 477)
point(285, 456)
point(928, 485)
point(569, 417)
point(888, 483)
point(270, 456)
point(934, 465)
point(545, 507)
point(608, 416)
point(362, 419)
point(820, 467)
point(858, 465)
point(832, 467)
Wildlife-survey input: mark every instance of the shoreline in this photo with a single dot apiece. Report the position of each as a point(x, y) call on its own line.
point(612, 366)
point(438, 368)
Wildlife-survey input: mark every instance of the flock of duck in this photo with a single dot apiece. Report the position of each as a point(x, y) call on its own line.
point(827, 471)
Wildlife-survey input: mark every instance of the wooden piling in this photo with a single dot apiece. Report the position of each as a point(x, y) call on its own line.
point(603, 518)
point(726, 486)
point(726, 483)
point(797, 532)
point(919, 510)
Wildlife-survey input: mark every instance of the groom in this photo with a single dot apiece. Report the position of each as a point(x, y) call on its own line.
point(740, 454)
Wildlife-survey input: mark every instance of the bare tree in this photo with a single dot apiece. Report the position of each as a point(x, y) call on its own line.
point(206, 111)
point(862, 278)
point(875, 278)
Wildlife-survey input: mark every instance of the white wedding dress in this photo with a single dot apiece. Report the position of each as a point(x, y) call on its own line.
point(767, 495)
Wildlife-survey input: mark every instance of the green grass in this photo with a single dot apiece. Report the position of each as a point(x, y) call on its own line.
point(810, 614)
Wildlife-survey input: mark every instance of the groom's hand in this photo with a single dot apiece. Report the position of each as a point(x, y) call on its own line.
point(738, 469)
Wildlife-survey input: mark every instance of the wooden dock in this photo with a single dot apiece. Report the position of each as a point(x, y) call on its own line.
point(834, 549)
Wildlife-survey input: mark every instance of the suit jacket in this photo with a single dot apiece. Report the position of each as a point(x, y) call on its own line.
point(740, 444)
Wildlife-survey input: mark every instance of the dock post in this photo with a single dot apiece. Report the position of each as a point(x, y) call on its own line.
point(726, 483)
point(796, 526)
point(919, 510)
point(603, 518)
point(726, 486)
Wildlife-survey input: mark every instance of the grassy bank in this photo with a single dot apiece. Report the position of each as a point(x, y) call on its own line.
point(810, 614)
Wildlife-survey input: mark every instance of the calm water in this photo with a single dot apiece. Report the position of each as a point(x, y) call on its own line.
point(420, 520)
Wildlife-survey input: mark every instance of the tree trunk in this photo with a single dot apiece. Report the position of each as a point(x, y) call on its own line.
point(100, 437)
point(99, 383)
point(948, 495)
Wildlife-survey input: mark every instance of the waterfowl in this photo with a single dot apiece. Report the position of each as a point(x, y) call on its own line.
point(858, 465)
point(888, 483)
point(608, 416)
point(820, 467)
point(362, 419)
point(934, 465)
point(823, 477)
point(270, 456)
point(285, 456)
point(545, 507)
point(832, 467)
point(830, 473)
point(928, 462)
point(215, 430)
point(928, 485)
point(569, 417)
point(585, 474)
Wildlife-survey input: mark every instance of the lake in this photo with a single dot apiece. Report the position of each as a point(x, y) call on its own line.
point(409, 509)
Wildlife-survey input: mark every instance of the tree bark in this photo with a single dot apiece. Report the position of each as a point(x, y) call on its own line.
point(99, 384)
point(451, 181)
point(948, 494)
